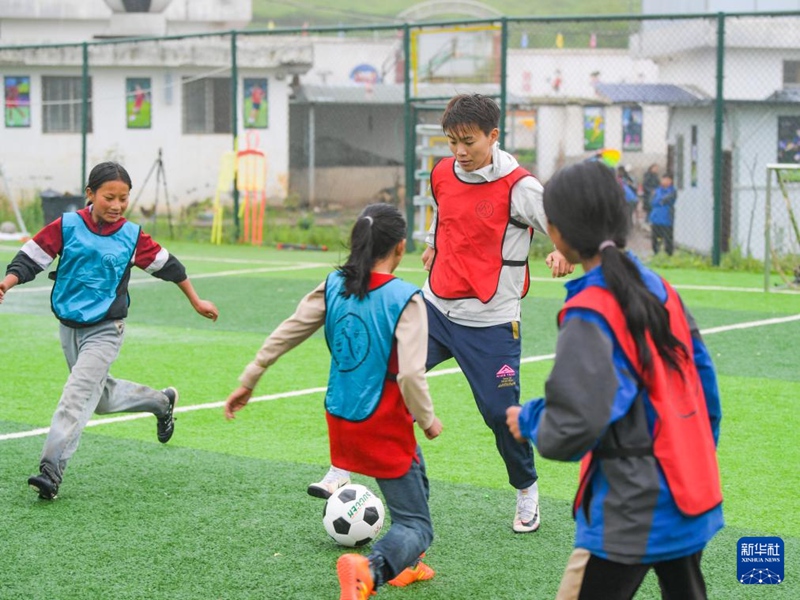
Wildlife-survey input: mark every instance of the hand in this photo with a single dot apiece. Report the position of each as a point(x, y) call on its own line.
point(427, 258)
point(434, 430)
point(207, 309)
point(558, 265)
point(512, 420)
point(237, 401)
point(8, 282)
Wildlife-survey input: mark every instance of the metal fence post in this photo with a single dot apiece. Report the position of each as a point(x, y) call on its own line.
point(84, 111)
point(503, 73)
point(719, 114)
point(234, 127)
point(409, 145)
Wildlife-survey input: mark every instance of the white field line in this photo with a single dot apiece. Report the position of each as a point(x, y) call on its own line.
point(149, 280)
point(319, 390)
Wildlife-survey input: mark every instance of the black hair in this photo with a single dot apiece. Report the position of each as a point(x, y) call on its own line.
point(376, 232)
point(587, 205)
point(107, 171)
point(471, 110)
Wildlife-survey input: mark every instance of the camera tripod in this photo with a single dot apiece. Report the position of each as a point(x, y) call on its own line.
point(161, 179)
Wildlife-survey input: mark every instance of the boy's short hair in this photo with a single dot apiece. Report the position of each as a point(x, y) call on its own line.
point(666, 175)
point(471, 110)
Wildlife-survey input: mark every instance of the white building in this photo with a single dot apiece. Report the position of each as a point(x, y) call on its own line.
point(189, 94)
point(760, 89)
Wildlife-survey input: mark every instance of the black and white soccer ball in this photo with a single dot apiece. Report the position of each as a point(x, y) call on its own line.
point(353, 515)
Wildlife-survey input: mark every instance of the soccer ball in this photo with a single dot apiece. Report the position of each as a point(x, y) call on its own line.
point(353, 515)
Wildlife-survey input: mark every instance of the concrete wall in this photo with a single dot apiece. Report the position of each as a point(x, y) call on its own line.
point(51, 21)
point(751, 135)
point(347, 186)
point(559, 139)
point(46, 160)
point(335, 58)
point(532, 71)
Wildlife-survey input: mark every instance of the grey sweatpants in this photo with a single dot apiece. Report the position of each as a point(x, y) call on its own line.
point(90, 351)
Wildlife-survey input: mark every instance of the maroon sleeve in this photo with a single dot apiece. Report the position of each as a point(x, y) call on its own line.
point(49, 238)
point(147, 250)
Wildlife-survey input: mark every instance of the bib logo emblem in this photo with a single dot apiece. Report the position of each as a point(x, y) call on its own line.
point(109, 261)
point(351, 342)
point(484, 209)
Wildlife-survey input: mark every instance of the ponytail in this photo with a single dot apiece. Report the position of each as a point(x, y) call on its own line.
point(643, 311)
point(376, 232)
point(587, 205)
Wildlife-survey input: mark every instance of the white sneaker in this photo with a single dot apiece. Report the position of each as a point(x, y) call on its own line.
point(333, 480)
point(527, 519)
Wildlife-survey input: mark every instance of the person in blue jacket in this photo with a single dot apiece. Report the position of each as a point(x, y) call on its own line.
point(633, 395)
point(662, 215)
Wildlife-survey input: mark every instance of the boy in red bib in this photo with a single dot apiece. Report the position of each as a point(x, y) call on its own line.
point(487, 208)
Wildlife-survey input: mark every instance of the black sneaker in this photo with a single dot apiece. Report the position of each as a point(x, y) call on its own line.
point(47, 488)
point(166, 424)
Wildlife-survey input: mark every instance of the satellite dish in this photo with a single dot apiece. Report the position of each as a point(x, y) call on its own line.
point(137, 6)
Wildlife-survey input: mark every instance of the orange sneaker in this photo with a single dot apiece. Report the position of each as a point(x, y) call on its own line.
point(354, 577)
point(419, 572)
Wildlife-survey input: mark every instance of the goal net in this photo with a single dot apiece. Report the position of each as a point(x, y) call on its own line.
point(782, 225)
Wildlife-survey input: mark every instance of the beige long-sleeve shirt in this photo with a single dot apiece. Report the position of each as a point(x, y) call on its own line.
point(412, 349)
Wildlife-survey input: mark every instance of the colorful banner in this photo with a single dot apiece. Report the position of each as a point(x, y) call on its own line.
point(138, 102)
point(18, 101)
point(594, 127)
point(255, 104)
point(631, 128)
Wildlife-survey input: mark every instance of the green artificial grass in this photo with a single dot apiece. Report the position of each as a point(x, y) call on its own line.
point(221, 511)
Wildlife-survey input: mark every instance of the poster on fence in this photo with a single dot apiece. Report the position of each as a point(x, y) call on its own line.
point(631, 128)
point(255, 105)
point(138, 102)
point(594, 128)
point(18, 101)
point(789, 140)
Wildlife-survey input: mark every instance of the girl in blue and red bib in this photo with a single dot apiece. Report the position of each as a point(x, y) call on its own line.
point(376, 328)
point(633, 395)
point(97, 248)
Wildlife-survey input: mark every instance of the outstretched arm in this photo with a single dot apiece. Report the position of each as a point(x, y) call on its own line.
point(204, 308)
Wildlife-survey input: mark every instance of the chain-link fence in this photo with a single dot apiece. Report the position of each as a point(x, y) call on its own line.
point(322, 122)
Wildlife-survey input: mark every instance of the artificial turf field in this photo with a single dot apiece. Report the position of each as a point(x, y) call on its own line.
point(221, 511)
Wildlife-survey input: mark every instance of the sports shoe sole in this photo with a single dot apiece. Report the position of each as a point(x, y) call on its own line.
point(45, 492)
point(318, 492)
point(172, 414)
point(421, 572)
point(351, 571)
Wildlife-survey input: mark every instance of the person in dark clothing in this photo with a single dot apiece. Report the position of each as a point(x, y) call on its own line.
point(662, 215)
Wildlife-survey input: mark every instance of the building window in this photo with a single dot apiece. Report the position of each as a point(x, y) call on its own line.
point(207, 105)
point(791, 73)
point(62, 105)
point(679, 162)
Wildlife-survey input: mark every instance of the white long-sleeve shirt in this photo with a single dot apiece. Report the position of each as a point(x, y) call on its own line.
point(526, 207)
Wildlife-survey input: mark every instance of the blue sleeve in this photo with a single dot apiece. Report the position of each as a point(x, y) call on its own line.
point(708, 379)
point(583, 393)
point(529, 419)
